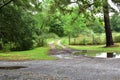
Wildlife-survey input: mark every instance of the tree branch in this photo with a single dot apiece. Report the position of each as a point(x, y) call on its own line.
point(82, 8)
point(5, 4)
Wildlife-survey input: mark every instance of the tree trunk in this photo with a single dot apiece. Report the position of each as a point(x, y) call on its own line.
point(109, 39)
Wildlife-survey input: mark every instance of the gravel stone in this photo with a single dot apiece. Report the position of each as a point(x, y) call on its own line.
point(82, 68)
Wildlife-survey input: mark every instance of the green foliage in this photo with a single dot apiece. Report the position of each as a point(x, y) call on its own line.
point(97, 3)
point(16, 27)
point(117, 38)
point(46, 20)
point(28, 5)
point(57, 29)
point(97, 40)
point(95, 25)
point(52, 35)
point(115, 22)
point(23, 45)
point(6, 47)
point(65, 41)
point(42, 39)
point(73, 24)
point(20, 29)
point(84, 41)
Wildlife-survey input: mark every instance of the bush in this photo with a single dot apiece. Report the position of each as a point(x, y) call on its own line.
point(41, 42)
point(24, 45)
point(117, 38)
point(6, 47)
point(57, 29)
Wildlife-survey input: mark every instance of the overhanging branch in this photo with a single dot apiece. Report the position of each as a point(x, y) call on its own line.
point(5, 4)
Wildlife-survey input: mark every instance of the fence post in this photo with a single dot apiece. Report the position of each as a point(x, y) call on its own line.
point(69, 39)
point(42, 42)
point(93, 39)
point(74, 41)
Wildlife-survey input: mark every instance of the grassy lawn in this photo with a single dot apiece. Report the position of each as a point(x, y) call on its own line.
point(95, 47)
point(35, 54)
point(90, 47)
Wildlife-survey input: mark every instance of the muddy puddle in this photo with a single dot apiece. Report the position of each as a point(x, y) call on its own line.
point(99, 54)
point(88, 54)
point(11, 67)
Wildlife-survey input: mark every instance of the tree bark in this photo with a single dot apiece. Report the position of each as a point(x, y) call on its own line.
point(109, 39)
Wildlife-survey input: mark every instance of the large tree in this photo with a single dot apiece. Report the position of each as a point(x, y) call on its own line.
point(109, 39)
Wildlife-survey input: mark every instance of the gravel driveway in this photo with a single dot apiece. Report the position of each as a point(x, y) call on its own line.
point(74, 68)
point(80, 68)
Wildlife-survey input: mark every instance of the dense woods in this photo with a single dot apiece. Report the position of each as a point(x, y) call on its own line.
point(25, 24)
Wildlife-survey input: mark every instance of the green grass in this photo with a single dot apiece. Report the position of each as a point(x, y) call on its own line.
point(52, 39)
point(64, 41)
point(35, 54)
point(96, 48)
point(90, 47)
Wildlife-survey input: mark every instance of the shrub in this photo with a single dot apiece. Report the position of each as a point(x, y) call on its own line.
point(42, 42)
point(6, 47)
point(57, 29)
point(24, 45)
point(117, 38)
